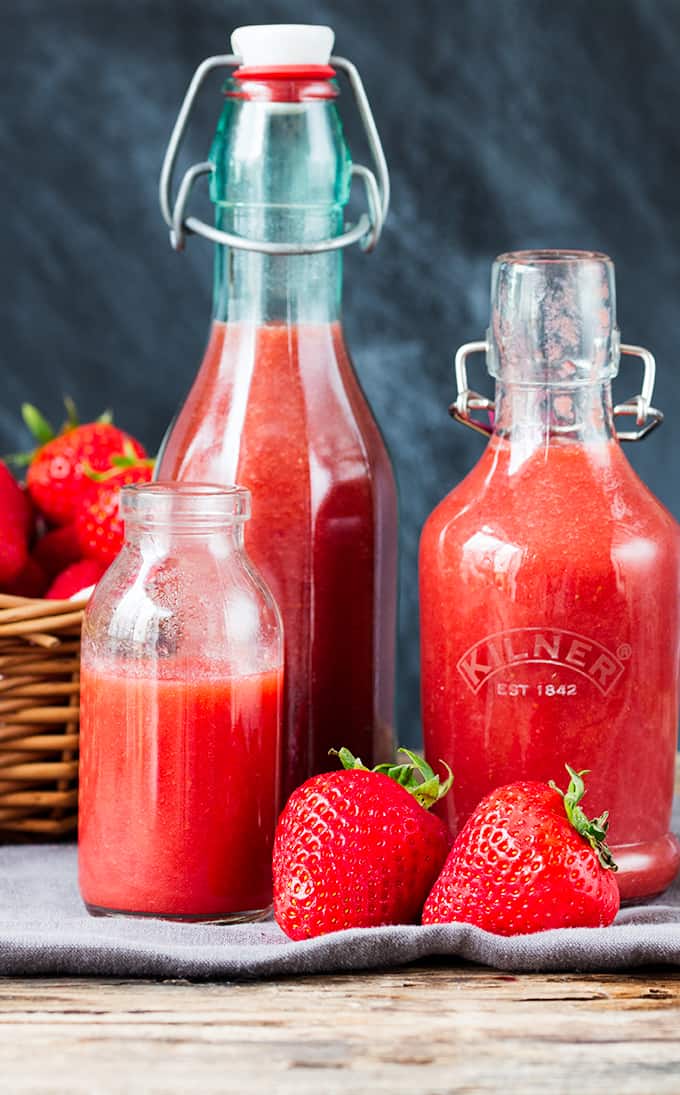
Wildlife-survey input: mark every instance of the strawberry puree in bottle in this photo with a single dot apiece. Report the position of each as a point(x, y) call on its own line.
point(178, 804)
point(324, 492)
point(277, 406)
point(181, 684)
point(549, 577)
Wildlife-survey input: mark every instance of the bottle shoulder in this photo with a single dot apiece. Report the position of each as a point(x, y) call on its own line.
point(275, 392)
point(184, 599)
point(469, 496)
point(573, 500)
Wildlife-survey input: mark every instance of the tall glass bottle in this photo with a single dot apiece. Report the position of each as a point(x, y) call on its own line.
point(276, 405)
point(550, 577)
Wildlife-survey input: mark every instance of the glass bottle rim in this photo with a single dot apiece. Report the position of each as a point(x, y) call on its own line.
point(553, 318)
point(184, 505)
point(545, 255)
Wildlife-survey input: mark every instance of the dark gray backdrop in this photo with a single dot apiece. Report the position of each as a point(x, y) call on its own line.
point(506, 123)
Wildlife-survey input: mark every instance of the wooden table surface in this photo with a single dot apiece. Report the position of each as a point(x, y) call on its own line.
point(425, 1030)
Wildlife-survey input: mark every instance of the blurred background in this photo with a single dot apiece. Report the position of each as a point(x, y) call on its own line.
point(506, 123)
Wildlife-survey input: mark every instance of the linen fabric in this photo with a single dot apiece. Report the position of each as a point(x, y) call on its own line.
point(45, 930)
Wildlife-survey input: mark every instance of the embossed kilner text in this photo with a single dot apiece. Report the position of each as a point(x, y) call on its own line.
point(547, 646)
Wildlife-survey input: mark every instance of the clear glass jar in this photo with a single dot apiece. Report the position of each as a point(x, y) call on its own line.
point(550, 577)
point(181, 683)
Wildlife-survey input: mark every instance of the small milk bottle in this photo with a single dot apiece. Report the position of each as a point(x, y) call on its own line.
point(181, 681)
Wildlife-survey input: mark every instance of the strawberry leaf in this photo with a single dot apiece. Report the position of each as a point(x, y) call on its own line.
point(129, 458)
point(72, 419)
point(119, 462)
point(593, 831)
point(347, 759)
point(37, 423)
point(417, 778)
point(18, 459)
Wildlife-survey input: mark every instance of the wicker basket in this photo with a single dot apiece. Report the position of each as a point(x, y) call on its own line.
point(39, 711)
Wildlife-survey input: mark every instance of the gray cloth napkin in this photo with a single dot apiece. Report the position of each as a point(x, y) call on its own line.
point(44, 929)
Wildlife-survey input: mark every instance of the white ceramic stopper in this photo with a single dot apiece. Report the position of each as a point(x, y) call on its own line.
point(282, 44)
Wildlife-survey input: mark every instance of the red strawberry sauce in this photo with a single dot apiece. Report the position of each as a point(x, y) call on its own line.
point(549, 594)
point(204, 752)
point(278, 409)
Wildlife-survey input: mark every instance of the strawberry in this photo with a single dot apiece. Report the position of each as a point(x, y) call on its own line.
point(528, 859)
point(29, 515)
point(31, 581)
point(357, 848)
point(98, 526)
point(13, 527)
point(57, 550)
point(78, 576)
point(57, 478)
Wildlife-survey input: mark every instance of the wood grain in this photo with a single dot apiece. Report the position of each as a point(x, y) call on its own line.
point(427, 1030)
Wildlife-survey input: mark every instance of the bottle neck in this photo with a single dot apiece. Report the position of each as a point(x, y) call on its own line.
point(281, 174)
point(254, 288)
point(532, 415)
point(553, 346)
point(169, 516)
point(159, 541)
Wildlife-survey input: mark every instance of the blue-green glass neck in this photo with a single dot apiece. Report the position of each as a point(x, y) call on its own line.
point(256, 288)
point(282, 174)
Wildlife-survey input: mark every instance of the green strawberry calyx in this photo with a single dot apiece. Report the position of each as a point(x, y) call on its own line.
point(43, 431)
point(417, 777)
point(595, 830)
point(127, 459)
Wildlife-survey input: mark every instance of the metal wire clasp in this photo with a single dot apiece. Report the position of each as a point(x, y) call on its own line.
point(647, 417)
point(468, 400)
point(366, 231)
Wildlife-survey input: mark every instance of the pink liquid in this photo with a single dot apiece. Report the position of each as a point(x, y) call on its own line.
point(549, 599)
point(278, 409)
point(178, 790)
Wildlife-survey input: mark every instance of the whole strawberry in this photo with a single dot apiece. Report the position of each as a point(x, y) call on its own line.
point(357, 848)
point(31, 581)
point(528, 859)
point(57, 550)
point(57, 478)
point(76, 577)
point(98, 525)
point(14, 507)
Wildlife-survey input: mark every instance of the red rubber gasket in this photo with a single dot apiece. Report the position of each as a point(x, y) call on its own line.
point(284, 72)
